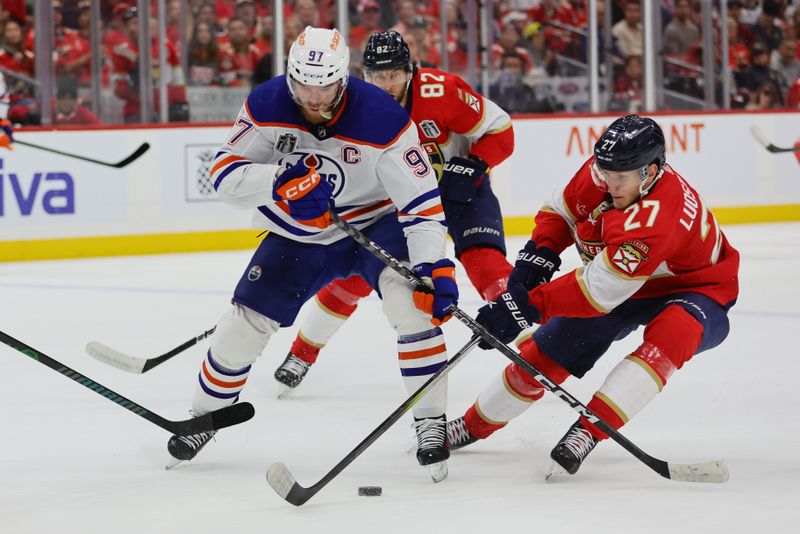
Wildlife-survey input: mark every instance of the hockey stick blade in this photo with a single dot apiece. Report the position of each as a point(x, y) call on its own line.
point(228, 416)
point(136, 154)
point(284, 484)
point(698, 472)
point(133, 364)
point(216, 420)
point(762, 139)
point(715, 472)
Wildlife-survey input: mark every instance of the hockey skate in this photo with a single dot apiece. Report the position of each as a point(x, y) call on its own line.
point(183, 448)
point(432, 450)
point(571, 450)
point(290, 373)
point(457, 434)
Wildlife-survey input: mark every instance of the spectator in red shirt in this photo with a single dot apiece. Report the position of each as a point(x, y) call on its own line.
point(68, 108)
point(16, 58)
point(244, 54)
point(509, 43)
point(369, 16)
point(246, 11)
point(205, 58)
point(628, 86)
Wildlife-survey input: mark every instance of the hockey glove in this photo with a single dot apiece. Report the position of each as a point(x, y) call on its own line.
point(306, 193)
point(508, 315)
point(534, 266)
point(441, 277)
point(6, 134)
point(460, 178)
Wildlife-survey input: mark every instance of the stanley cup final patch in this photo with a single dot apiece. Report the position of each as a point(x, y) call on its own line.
point(629, 256)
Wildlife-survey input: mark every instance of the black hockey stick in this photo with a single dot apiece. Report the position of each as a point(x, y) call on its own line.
point(225, 417)
point(134, 364)
point(762, 139)
point(144, 147)
point(715, 471)
point(286, 486)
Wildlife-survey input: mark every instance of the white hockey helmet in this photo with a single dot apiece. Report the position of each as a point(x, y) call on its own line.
point(318, 57)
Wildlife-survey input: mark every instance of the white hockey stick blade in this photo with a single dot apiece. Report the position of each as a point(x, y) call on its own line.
point(115, 358)
point(715, 472)
point(759, 135)
point(280, 479)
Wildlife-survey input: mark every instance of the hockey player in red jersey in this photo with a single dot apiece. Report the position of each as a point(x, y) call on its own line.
point(654, 256)
point(464, 136)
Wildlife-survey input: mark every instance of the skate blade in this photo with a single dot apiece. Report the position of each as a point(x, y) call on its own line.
point(556, 472)
point(285, 392)
point(172, 462)
point(437, 471)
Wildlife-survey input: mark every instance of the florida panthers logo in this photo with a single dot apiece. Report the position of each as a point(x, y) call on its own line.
point(328, 168)
point(436, 157)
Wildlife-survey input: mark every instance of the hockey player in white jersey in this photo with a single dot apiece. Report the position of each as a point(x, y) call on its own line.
point(301, 143)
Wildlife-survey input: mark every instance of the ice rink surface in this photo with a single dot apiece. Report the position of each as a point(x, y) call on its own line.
point(73, 462)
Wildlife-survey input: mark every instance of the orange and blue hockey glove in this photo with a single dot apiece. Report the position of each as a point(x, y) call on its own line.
point(441, 278)
point(6, 135)
point(307, 194)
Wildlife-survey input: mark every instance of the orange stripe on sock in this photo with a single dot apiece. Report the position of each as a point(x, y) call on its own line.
point(220, 383)
point(414, 354)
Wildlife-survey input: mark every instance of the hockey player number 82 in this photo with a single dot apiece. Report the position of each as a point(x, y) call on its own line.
point(431, 90)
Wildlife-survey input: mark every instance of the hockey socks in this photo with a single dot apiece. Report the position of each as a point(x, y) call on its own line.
point(217, 386)
point(512, 393)
point(421, 355)
point(335, 303)
point(670, 340)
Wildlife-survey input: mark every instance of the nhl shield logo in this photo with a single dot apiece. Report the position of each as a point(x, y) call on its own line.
point(254, 274)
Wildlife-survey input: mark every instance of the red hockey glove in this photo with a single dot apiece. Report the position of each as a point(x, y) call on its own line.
point(441, 277)
point(306, 193)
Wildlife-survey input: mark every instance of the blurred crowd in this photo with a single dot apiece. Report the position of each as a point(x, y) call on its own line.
point(229, 43)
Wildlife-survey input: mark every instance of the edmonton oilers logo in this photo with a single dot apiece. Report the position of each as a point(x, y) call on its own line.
point(254, 274)
point(328, 168)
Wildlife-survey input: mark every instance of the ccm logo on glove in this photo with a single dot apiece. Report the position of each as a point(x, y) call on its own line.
point(299, 187)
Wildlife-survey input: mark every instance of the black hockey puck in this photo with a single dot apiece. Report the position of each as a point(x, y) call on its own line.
point(370, 491)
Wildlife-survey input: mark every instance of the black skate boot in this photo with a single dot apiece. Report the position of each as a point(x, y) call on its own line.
point(184, 448)
point(432, 450)
point(457, 434)
point(573, 448)
point(292, 371)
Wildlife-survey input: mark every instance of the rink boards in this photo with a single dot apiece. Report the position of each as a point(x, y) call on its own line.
point(57, 207)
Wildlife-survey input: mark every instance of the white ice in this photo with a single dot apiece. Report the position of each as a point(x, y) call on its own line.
point(73, 462)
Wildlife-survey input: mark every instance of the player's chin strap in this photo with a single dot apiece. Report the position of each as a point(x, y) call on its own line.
point(643, 172)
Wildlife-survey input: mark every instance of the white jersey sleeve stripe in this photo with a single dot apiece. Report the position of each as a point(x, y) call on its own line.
point(604, 287)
